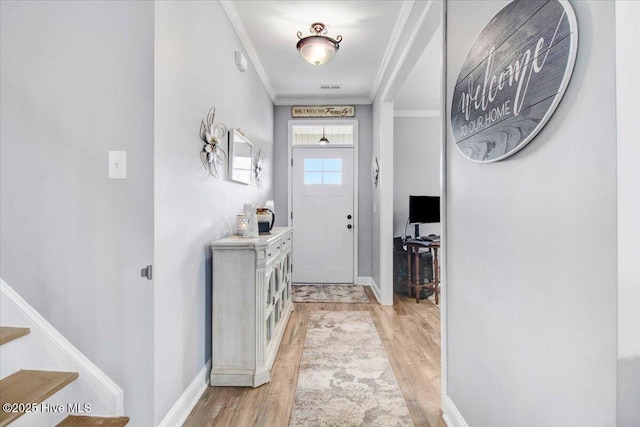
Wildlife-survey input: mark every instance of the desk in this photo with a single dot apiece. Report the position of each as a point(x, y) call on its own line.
point(413, 250)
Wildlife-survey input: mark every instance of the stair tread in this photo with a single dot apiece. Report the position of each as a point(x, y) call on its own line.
point(86, 421)
point(28, 386)
point(8, 333)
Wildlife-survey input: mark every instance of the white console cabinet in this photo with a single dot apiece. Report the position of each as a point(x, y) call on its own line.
point(251, 306)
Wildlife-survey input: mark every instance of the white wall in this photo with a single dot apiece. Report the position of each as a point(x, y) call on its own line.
point(282, 115)
point(382, 221)
point(375, 199)
point(628, 111)
point(77, 81)
point(195, 70)
point(416, 168)
point(422, 87)
point(531, 250)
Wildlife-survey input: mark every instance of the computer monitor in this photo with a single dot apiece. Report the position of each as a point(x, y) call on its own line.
point(423, 209)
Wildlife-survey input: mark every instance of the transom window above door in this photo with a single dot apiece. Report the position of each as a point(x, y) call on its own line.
point(313, 135)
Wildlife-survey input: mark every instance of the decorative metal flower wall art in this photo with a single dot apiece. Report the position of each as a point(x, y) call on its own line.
point(258, 167)
point(375, 171)
point(212, 153)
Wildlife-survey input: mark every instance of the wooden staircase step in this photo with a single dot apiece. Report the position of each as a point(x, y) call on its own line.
point(26, 386)
point(8, 334)
point(86, 421)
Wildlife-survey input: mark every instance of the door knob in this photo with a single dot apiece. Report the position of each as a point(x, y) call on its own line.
point(349, 226)
point(348, 216)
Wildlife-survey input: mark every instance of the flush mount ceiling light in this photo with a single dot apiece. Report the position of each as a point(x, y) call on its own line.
point(318, 49)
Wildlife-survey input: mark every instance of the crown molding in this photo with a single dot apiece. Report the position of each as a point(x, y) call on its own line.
point(405, 12)
point(322, 101)
point(416, 113)
point(236, 22)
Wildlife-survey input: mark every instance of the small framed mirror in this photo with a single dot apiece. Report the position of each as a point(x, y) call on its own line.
point(240, 158)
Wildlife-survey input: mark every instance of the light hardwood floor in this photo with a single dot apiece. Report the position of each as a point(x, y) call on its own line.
point(410, 334)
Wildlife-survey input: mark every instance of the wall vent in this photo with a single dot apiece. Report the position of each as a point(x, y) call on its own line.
point(330, 86)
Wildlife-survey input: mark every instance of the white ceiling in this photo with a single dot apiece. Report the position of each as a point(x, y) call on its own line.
point(370, 29)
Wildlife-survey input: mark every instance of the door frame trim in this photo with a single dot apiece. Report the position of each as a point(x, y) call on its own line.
point(356, 184)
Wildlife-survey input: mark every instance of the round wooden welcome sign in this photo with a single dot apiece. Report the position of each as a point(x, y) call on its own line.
point(513, 78)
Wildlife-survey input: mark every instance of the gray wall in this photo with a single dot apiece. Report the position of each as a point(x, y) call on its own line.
point(416, 167)
point(195, 71)
point(628, 111)
point(531, 258)
point(363, 115)
point(76, 82)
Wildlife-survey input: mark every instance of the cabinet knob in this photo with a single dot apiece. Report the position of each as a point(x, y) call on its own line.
point(348, 216)
point(349, 226)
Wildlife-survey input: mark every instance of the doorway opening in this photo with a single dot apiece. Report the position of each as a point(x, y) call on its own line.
point(323, 195)
point(414, 164)
point(417, 150)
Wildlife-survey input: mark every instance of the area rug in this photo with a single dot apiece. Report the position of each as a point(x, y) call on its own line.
point(345, 378)
point(329, 293)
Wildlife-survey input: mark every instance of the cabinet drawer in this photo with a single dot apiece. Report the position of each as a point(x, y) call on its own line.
point(285, 243)
point(272, 251)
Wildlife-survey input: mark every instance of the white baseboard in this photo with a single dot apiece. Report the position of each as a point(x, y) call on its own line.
point(451, 415)
point(368, 281)
point(364, 280)
point(187, 401)
point(57, 352)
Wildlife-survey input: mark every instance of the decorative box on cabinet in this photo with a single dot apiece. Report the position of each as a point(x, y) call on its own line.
point(251, 305)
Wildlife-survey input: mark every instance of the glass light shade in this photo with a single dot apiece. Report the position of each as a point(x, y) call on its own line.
point(317, 50)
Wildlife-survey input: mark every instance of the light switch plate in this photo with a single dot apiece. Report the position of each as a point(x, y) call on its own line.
point(117, 164)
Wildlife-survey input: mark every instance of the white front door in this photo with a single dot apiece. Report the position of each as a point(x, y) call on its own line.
point(323, 215)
